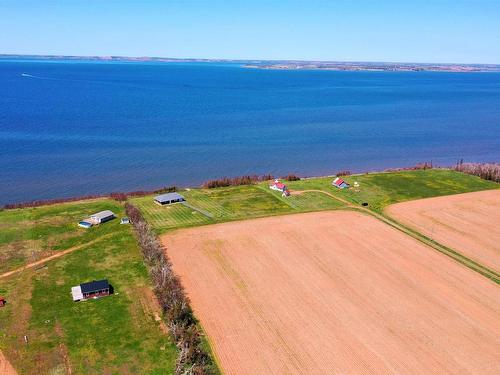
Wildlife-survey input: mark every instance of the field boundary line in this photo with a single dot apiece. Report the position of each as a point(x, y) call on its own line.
point(203, 212)
point(53, 256)
point(454, 254)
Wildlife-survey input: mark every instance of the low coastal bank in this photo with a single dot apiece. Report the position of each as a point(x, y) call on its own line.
point(487, 171)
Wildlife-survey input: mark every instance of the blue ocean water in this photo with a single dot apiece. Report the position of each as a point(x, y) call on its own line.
point(73, 128)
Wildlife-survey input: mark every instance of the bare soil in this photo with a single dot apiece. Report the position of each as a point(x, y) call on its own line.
point(335, 292)
point(468, 223)
point(5, 367)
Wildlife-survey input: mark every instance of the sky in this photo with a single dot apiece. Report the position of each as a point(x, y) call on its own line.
point(453, 31)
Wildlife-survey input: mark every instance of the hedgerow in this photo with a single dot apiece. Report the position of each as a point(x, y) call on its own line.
point(487, 171)
point(183, 326)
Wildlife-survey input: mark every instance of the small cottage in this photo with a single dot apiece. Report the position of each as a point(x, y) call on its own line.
point(340, 183)
point(93, 289)
point(279, 186)
point(102, 217)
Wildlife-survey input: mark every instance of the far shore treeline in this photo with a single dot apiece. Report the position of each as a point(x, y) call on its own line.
point(486, 171)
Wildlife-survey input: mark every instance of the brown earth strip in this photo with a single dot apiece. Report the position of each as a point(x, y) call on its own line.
point(335, 292)
point(452, 253)
point(469, 223)
point(5, 366)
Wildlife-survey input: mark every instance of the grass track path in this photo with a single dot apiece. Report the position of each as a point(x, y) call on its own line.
point(54, 256)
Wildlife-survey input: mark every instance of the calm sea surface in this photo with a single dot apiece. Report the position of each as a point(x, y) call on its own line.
point(72, 128)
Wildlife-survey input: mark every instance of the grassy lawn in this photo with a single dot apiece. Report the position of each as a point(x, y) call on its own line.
point(29, 234)
point(309, 201)
point(382, 189)
point(115, 334)
point(245, 202)
point(230, 203)
point(237, 202)
point(119, 334)
point(168, 217)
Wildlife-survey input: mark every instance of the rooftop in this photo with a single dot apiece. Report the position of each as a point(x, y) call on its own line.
point(168, 197)
point(94, 286)
point(103, 214)
point(279, 185)
point(76, 292)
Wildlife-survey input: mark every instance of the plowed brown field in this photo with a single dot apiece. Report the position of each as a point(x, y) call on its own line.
point(468, 223)
point(335, 293)
point(5, 366)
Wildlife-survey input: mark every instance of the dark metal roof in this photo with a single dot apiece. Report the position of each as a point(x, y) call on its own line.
point(94, 286)
point(169, 197)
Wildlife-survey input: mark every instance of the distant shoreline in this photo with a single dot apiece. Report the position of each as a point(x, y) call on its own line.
point(159, 190)
point(350, 66)
point(378, 67)
point(98, 127)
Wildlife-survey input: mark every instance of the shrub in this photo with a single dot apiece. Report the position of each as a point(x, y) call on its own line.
point(486, 171)
point(266, 177)
point(343, 173)
point(236, 181)
point(416, 167)
point(166, 189)
point(291, 177)
point(119, 196)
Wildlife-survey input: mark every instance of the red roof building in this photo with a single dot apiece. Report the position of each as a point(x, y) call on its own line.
point(340, 183)
point(277, 185)
point(280, 186)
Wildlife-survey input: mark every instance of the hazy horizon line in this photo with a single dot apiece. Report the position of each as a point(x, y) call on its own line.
point(136, 58)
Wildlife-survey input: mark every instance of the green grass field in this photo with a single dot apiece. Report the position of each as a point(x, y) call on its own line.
point(119, 334)
point(382, 189)
point(245, 202)
point(115, 334)
point(230, 203)
point(29, 234)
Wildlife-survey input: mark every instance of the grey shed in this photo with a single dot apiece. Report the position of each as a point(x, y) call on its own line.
point(102, 216)
point(169, 198)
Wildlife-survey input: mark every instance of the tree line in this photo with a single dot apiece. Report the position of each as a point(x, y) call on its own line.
point(192, 358)
point(121, 197)
point(244, 180)
point(419, 166)
point(487, 171)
